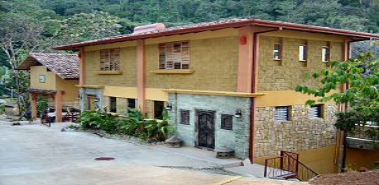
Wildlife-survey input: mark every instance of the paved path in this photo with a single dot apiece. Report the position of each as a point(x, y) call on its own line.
point(38, 155)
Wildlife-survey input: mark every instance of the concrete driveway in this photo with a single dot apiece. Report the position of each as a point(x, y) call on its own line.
point(38, 155)
point(35, 154)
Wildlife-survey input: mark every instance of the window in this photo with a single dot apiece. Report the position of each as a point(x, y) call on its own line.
point(325, 54)
point(174, 55)
point(227, 122)
point(277, 53)
point(110, 59)
point(42, 79)
point(282, 113)
point(158, 109)
point(303, 55)
point(112, 104)
point(315, 111)
point(131, 103)
point(185, 117)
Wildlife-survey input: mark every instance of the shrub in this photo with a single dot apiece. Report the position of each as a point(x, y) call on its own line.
point(99, 120)
point(42, 105)
point(2, 109)
point(134, 125)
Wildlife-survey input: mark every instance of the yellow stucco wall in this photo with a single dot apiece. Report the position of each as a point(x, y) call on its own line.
point(320, 160)
point(214, 61)
point(70, 96)
point(35, 72)
point(128, 68)
point(356, 158)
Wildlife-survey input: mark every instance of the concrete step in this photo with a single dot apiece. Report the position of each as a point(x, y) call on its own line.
point(202, 155)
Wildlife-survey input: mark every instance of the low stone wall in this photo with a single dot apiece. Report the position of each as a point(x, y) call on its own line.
point(299, 134)
point(236, 139)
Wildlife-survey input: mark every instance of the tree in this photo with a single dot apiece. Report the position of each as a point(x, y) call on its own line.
point(18, 36)
point(83, 27)
point(362, 95)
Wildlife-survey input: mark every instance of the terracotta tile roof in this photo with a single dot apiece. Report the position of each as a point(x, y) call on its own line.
point(222, 24)
point(65, 66)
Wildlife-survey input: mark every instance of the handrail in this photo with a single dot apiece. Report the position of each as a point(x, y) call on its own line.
point(287, 166)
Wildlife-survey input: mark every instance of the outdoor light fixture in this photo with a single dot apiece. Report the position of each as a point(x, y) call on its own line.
point(238, 113)
point(169, 106)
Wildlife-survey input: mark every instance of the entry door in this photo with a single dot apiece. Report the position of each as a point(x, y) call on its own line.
point(206, 128)
point(91, 102)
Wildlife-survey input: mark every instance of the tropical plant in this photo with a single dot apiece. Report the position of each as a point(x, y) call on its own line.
point(99, 120)
point(134, 124)
point(159, 129)
point(42, 105)
point(362, 95)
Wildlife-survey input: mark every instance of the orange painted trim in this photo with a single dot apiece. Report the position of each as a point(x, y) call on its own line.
point(82, 67)
point(254, 85)
point(141, 75)
point(58, 106)
point(33, 101)
point(245, 58)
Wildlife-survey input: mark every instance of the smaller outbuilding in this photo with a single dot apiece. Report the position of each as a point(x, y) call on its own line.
point(54, 76)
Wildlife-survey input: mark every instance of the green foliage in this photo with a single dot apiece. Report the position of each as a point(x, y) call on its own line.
point(99, 120)
point(133, 125)
point(42, 105)
point(2, 109)
point(362, 76)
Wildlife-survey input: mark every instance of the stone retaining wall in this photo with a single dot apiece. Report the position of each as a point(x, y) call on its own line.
point(299, 134)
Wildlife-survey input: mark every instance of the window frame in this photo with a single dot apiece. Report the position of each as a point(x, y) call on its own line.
point(279, 51)
point(224, 125)
point(43, 79)
point(155, 113)
point(320, 111)
point(129, 101)
point(303, 52)
point(288, 117)
point(111, 108)
point(326, 54)
point(116, 64)
point(185, 59)
point(187, 119)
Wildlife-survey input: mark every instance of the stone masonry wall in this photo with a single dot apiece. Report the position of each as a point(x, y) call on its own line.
point(236, 139)
point(299, 134)
point(289, 72)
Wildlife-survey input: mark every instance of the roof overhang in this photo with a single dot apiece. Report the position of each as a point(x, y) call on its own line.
point(353, 36)
point(27, 63)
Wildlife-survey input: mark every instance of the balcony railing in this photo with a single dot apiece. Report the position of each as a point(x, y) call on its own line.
point(365, 137)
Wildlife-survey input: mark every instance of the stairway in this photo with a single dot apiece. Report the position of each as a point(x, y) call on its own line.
point(287, 166)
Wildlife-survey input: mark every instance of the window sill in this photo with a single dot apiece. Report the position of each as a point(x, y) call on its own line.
point(277, 59)
point(302, 61)
point(109, 72)
point(173, 71)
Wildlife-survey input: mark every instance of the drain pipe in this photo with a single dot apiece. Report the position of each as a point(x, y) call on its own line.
point(254, 88)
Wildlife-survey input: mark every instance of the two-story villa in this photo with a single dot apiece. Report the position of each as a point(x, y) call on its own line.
point(226, 84)
point(53, 76)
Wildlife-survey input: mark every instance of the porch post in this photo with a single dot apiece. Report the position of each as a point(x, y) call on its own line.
point(34, 99)
point(141, 75)
point(58, 106)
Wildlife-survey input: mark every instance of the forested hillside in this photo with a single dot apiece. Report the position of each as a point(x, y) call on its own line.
point(37, 25)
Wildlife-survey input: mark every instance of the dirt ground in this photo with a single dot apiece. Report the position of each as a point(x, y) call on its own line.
point(354, 178)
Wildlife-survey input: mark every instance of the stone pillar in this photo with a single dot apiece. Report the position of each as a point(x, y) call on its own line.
point(58, 106)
